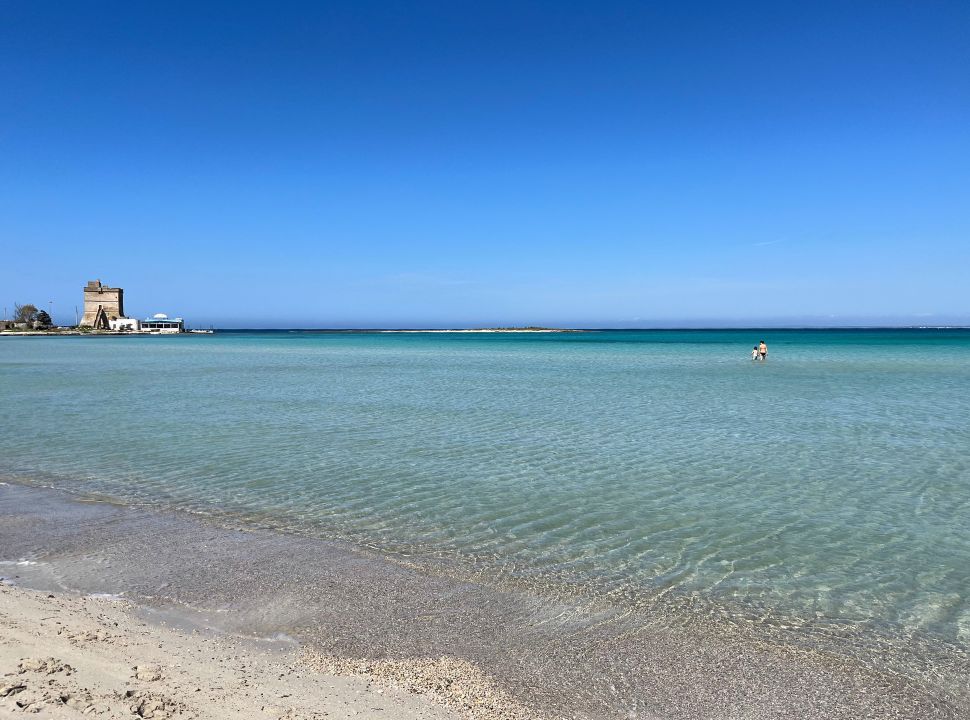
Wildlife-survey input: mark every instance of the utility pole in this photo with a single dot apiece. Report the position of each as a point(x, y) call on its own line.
point(50, 312)
point(77, 319)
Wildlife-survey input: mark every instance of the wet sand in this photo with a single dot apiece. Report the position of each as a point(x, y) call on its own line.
point(480, 650)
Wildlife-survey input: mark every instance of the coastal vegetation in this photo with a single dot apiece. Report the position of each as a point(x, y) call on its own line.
point(27, 317)
point(24, 313)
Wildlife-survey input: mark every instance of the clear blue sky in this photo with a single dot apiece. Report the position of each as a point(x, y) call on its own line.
point(335, 164)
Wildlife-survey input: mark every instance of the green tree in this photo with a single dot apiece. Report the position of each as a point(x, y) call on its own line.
point(43, 318)
point(24, 313)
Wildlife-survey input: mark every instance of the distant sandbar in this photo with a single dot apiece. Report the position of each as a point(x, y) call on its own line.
point(491, 330)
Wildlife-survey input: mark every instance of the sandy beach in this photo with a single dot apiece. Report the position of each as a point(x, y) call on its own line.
point(485, 361)
point(69, 656)
point(167, 613)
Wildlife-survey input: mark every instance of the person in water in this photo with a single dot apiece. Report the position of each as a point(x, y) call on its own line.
point(763, 350)
point(754, 353)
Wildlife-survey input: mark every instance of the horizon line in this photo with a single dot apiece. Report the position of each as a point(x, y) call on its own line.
point(524, 328)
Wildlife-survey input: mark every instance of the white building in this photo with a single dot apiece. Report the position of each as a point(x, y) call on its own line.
point(125, 324)
point(162, 323)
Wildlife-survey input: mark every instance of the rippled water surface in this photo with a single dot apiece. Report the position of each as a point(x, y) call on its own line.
point(831, 482)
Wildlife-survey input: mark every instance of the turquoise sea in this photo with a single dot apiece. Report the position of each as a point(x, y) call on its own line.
point(828, 487)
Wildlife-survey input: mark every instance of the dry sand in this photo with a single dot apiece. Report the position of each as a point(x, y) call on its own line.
point(66, 656)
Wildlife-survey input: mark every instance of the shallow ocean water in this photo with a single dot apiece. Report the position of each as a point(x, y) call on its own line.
point(830, 484)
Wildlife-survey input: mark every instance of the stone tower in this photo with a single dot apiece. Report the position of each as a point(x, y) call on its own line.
point(102, 304)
